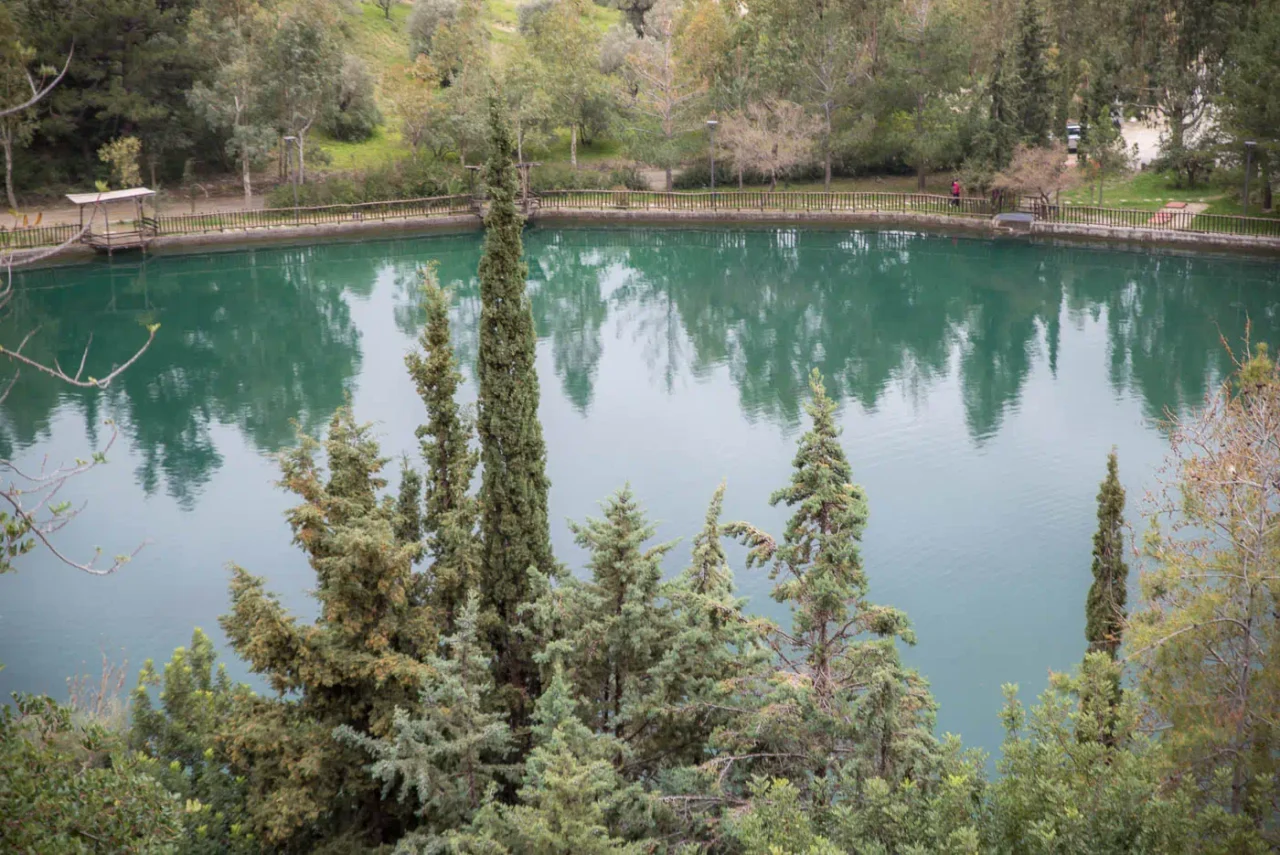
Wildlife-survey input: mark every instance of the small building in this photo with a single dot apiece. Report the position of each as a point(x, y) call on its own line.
point(100, 236)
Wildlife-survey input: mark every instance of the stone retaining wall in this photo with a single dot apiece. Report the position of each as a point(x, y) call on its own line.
point(1158, 237)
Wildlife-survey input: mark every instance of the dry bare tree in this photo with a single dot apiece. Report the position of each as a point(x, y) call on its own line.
point(1037, 170)
point(771, 137)
point(33, 507)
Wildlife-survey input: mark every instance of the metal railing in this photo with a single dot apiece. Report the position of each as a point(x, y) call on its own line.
point(729, 201)
point(780, 201)
point(186, 224)
point(1164, 219)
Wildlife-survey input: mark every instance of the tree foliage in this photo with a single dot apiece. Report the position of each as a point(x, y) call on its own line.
point(515, 532)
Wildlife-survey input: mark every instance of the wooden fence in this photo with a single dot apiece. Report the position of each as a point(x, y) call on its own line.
point(729, 201)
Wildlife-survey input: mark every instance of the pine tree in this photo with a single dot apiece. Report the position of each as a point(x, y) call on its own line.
point(513, 491)
point(842, 706)
point(1032, 102)
point(1105, 615)
point(572, 800)
point(608, 632)
point(359, 661)
point(450, 512)
point(449, 754)
point(997, 140)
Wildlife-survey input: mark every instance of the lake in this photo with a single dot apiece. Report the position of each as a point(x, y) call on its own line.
point(981, 384)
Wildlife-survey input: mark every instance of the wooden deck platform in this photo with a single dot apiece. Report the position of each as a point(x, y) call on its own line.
point(113, 242)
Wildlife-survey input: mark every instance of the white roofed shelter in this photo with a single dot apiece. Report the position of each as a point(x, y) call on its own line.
point(135, 238)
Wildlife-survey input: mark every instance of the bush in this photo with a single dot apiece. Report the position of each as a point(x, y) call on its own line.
point(559, 176)
point(697, 176)
point(413, 178)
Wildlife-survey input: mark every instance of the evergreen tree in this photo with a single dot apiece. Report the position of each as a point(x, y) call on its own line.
point(513, 491)
point(453, 751)
point(450, 512)
point(359, 661)
point(999, 133)
point(610, 631)
point(715, 651)
point(1105, 616)
point(841, 706)
point(408, 526)
point(1032, 102)
point(572, 800)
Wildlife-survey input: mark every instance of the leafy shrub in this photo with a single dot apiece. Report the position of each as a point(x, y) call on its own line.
point(71, 786)
point(413, 178)
point(559, 176)
point(354, 113)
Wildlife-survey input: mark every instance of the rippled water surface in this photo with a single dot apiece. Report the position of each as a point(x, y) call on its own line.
point(980, 384)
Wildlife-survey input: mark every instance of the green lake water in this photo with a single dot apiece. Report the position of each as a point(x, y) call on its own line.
point(980, 383)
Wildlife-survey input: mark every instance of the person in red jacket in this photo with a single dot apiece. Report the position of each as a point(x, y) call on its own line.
point(955, 192)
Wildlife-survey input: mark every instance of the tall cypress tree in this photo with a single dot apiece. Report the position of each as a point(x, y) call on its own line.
point(513, 491)
point(1104, 611)
point(449, 517)
point(1033, 103)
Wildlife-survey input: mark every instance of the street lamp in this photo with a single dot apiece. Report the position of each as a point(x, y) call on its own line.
point(1248, 163)
point(711, 128)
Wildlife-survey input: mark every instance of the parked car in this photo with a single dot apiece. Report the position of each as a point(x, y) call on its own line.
point(1073, 138)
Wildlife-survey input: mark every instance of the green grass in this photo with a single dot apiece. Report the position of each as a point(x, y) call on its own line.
point(1141, 191)
point(383, 147)
point(557, 151)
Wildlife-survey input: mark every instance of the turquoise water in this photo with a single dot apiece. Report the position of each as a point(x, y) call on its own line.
point(981, 384)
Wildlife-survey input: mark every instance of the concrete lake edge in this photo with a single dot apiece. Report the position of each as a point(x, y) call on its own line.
point(1105, 236)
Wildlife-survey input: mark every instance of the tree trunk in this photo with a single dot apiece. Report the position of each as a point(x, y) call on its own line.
point(739, 177)
point(669, 185)
point(573, 144)
point(919, 141)
point(8, 171)
point(248, 182)
point(302, 157)
point(826, 150)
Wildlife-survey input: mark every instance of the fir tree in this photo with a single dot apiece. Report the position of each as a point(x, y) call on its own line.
point(716, 648)
point(359, 661)
point(572, 800)
point(610, 631)
point(450, 512)
point(842, 706)
point(1032, 102)
point(513, 490)
point(449, 755)
point(1105, 615)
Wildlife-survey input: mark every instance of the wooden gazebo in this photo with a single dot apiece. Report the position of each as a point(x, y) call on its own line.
point(106, 240)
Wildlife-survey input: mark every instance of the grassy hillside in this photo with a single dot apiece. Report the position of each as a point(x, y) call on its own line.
point(384, 45)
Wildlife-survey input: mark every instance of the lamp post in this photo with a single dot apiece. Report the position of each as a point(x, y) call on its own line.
point(711, 128)
point(1248, 164)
